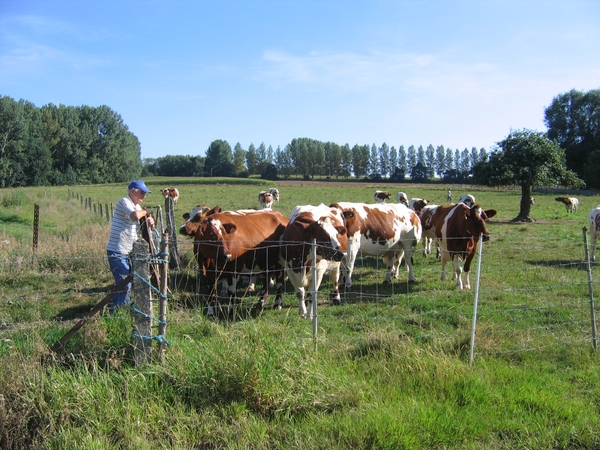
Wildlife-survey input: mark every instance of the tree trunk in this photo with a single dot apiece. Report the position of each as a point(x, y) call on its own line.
point(525, 207)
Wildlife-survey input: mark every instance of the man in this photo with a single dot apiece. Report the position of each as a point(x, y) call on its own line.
point(124, 231)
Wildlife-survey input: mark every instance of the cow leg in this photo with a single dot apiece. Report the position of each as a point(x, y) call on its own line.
point(349, 261)
point(458, 270)
point(593, 245)
point(427, 243)
point(300, 292)
point(444, 258)
point(252, 283)
point(409, 264)
point(335, 281)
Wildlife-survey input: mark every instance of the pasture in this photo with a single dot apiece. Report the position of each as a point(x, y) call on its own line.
point(389, 368)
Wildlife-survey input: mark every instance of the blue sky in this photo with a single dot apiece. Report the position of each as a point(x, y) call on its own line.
point(184, 73)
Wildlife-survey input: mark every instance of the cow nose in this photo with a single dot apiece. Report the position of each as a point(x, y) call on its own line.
point(486, 237)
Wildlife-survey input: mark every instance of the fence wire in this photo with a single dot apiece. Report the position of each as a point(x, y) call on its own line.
point(542, 287)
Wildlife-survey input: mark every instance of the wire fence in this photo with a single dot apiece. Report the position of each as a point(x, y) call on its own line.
point(530, 298)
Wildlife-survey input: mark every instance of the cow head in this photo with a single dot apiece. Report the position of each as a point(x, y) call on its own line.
point(210, 237)
point(420, 204)
point(329, 233)
point(193, 218)
point(475, 218)
point(401, 197)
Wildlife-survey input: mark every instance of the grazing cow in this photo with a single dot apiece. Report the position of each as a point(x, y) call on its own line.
point(239, 244)
point(275, 193)
point(326, 226)
point(457, 229)
point(571, 203)
point(449, 196)
point(265, 199)
point(594, 222)
point(389, 230)
point(165, 192)
point(381, 196)
point(467, 199)
point(401, 197)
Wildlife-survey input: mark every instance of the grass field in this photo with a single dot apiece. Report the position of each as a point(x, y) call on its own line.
point(390, 368)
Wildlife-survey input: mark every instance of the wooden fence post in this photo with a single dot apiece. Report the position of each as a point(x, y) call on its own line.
point(172, 232)
point(36, 227)
point(142, 306)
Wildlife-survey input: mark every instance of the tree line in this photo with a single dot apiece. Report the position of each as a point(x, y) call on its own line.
point(66, 145)
point(308, 158)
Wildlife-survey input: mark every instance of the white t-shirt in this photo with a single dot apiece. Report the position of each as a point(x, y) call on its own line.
point(123, 231)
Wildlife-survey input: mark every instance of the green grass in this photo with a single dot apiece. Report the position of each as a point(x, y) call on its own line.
point(389, 369)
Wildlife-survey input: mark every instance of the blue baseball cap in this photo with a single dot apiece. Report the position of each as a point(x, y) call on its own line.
point(139, 184)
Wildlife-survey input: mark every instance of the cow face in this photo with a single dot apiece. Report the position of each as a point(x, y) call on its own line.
point(194, 217)
point(475, 220)
point(211, 236)
point(329, 233)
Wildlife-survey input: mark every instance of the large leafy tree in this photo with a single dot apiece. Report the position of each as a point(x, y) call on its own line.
point(219, 159)
point(528, 159)
point(573, 121)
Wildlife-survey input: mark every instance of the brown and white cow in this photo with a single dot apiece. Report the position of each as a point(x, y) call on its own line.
point(242, 244)
point(325, 225)
point(594, 222)
point(173, 193)
point(571, 203)
point(457, 229)
point(265, 199)
point(416, 204)
point(389, 230)
point(206, 265)
point(381, 196)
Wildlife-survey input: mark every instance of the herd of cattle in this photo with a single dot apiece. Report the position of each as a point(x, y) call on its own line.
point(264, 244)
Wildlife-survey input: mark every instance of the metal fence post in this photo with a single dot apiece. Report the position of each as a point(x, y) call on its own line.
point(590, 289)
point(315, 321)
point(476, 301)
